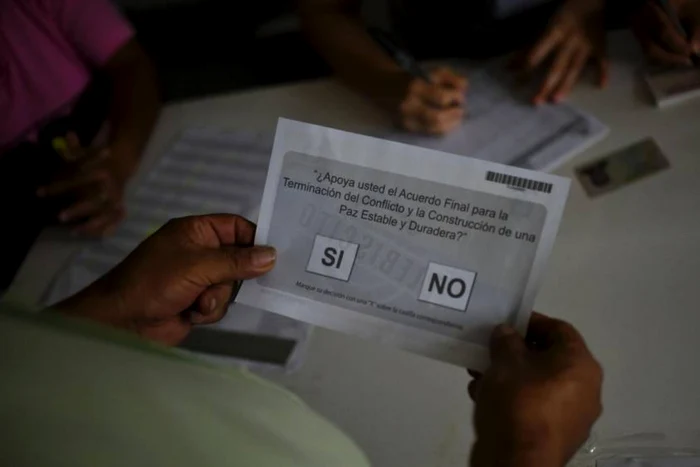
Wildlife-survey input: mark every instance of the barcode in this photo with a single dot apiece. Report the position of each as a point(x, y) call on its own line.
point(519, 182)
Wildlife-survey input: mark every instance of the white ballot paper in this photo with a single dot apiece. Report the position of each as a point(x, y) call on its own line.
point(409, 246)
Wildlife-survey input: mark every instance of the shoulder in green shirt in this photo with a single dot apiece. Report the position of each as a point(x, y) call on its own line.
point(75, 394)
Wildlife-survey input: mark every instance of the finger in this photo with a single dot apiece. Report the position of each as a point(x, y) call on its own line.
point(506, 344)
point(670, 38)
point(70, 184)
point(85, 208)
point(449, 78)
point(73, 151)
point(603, 72)
point(442, 97)
point(213, 230)
point(571, 75)
point(232, 229)
point(695, 39)
point(544, 47)
point(103, 224)
point(553, 333)
point(412, 125)
point(421, 118)
point(212, 304)
point(474, 373)
point(88, 163)
point(231, 264)
point(171, 332)
point(661, 55)
point(556, 73)
point(73, 142)
point(440, 121)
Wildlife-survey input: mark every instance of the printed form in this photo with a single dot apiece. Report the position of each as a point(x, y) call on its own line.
point(412, 247)
point(503, 126)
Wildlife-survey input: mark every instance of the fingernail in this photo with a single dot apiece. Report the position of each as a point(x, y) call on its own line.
point(263, 256)
point(503, 330)
point(212, 305)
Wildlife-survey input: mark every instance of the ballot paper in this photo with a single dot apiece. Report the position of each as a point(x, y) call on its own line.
point(680, 461)
point(204, 171)
point(409, 246)
point(503, 126)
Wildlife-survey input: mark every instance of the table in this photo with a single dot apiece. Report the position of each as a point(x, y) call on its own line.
point(625, 270)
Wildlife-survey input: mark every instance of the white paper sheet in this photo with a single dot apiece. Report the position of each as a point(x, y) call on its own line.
point(412, 247)
point(204, 171)
point(503, 126)
point(650, 462)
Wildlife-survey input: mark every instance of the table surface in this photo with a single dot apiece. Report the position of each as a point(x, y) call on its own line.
point(625, 270)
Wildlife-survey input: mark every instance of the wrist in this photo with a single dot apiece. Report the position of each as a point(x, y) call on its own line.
point(94, 303)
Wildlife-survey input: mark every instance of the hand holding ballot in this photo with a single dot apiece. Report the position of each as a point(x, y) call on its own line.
point(536, 404)
point(184, 274)
point(669, 31)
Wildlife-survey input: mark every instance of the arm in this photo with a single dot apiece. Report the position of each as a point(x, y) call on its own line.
point(135, 104)
point(97, 177)
point(335, 29)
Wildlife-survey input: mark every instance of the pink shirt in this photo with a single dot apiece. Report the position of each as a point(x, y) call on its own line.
point(48, 49)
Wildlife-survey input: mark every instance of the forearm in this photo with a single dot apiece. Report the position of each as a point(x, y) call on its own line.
point(134, 108)
point(337, 33)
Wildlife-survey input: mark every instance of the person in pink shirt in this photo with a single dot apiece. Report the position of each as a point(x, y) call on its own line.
point(69, 68)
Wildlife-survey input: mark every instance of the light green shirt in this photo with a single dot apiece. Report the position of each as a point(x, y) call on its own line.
point(75, 394)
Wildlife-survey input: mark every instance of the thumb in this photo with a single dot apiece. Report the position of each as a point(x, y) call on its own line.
point(231, 264)
point(506, 344)
point(695, 40)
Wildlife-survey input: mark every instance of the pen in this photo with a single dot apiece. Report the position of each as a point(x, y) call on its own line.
point(673, 16)
point(404, 59)
point(407, 62)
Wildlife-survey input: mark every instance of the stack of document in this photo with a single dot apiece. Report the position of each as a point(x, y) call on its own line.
point(204, 171)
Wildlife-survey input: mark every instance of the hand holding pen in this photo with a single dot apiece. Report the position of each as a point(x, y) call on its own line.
point(669, 31)
point(433, 102)
point(436, 106)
